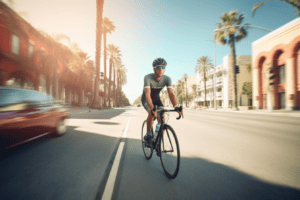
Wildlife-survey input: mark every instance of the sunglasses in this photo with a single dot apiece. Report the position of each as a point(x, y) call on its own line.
point(160, 66)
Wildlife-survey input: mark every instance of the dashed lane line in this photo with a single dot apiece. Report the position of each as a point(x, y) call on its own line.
point(109, 188)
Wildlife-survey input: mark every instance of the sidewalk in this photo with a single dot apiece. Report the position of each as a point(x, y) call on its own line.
point(291, 113)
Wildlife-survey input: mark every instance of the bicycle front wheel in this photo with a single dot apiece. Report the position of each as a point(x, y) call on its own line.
point(170, 153)
point(148, 151)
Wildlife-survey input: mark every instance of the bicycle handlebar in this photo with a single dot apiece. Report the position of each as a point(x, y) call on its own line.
point(164, 110)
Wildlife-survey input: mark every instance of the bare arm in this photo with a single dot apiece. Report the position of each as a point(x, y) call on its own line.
point(173, 99)
point(172, 96)
point(148, 97)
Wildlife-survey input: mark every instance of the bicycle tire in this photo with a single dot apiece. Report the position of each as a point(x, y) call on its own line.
point(147, 151)
point(169, 139)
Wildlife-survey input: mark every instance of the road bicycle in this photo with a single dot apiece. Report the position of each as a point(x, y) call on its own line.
point(165, 144)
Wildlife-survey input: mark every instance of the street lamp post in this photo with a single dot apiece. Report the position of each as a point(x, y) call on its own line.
point(249, 26)
point(215, 106)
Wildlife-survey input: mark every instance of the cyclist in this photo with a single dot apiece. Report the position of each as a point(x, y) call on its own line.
point(153, 84)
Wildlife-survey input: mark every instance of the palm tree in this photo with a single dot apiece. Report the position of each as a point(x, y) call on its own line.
point(119, 66)
point(122, 79)
point(228, 21)
point(194, 87)
point(185, 80)
point(114, 54)
point(180, 85)
point(249, 67)
point(204, 64)
point(98, 51)
point(293, 3)
point(108, 27)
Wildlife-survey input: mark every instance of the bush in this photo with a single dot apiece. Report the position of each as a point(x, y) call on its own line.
point(251, 108)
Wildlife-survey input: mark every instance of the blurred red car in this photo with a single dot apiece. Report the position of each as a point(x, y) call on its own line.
point(27, 114)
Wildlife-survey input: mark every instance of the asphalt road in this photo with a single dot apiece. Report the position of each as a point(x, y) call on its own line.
point(224, 155)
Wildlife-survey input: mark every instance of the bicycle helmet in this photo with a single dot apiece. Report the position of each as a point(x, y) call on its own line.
point(159, 61)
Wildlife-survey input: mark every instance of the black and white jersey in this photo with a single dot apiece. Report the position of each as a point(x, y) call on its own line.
point(155, 86)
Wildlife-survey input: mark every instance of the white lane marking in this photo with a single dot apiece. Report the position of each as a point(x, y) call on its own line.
point(109, 188)
point(126, 129)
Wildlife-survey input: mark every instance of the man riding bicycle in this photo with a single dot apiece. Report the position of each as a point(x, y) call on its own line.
point(153, 84)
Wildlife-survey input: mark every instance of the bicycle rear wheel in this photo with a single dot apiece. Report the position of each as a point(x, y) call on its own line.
point(148, 151)
point(170, 153)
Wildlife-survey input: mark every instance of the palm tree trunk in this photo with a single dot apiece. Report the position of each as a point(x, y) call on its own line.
point(98, 50)
point(234, 89)
point(115, 95)
point(105, 58)
point(109, 87)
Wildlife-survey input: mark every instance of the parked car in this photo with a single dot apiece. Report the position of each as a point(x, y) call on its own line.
point(139, 105)
point(27, 114)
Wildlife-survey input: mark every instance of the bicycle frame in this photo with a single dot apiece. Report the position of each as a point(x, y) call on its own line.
point(160, 132)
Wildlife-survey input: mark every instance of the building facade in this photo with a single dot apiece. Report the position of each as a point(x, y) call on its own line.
point(279, 50)
point(224, 83)
point(30, 60)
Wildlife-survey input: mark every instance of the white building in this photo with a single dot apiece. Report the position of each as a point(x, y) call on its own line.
point(224, 83)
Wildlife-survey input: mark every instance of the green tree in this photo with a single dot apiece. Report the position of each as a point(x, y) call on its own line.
point(233, 34)
point(138, 100)
point(121, 78)
point(114, 57)
point(247, 90)
point(194, 87)
point(204, 64)
point(294, 3)
point(117, 66)
point(249, 67)
point(186, 90)
point(108, 27)
point(180, 85)
point(122, 100)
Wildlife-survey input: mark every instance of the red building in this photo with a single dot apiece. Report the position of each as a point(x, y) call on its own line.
point(30, 60)
point(278, 51)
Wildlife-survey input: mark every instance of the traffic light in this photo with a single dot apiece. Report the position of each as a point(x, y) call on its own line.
point(237, 69)
point(271, 76)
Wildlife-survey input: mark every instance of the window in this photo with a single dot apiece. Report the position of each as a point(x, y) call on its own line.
point(30, 50)
point(8, 97)
point(15, 46)
point(281, 74)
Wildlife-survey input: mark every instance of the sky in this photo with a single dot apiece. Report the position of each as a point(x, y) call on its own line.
point(175, 30)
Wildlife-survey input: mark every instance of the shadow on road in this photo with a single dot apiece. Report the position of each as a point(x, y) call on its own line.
point(98, 114)
point(74, 165)
point(197, 179)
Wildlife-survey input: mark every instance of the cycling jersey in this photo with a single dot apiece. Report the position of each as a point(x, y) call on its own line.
point(155, 87)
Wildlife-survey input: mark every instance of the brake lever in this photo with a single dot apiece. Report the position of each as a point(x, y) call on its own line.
point(180, 115)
